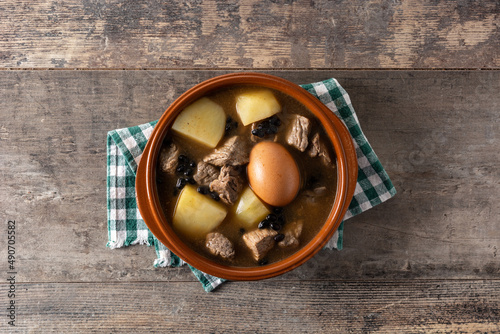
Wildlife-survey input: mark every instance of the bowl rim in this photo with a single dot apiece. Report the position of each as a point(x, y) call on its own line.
point(152, 213)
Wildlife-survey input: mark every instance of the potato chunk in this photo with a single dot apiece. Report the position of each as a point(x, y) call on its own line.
point(195, 214)
point(203, 121)
point(250, 210)
point(255, 105)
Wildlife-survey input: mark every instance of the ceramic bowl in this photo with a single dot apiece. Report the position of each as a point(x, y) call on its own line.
point(152, 213)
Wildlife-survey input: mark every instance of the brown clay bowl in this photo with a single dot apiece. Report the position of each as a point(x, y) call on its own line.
point(152, 213)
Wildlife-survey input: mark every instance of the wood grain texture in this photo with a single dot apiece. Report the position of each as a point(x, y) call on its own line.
point(274, 307)
point(283, 34)
point(435, 132)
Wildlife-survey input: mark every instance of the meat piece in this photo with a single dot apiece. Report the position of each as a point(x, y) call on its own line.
point(233, 152)
point(298, 134)
point(319, 191)
point(260, 242)
point(229, 184)
point(312, 195)
point(219, 245)
point(168, 158)
point(205, 173)
point(318, 149)
point(292, 232)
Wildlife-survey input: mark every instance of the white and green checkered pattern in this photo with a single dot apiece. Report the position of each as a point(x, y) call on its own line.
point(374, 185)
point(125, 224)
point(124, 150)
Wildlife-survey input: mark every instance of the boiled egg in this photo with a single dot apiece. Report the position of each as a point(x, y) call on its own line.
point(273, 173)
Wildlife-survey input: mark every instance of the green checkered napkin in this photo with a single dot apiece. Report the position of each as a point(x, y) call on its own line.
point(124, 150)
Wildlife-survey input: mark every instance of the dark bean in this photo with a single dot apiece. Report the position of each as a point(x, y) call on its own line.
point(275, 226)
point(242, 230)
point(281, 220)
point(263, 262)
point(180, 183)
point(176, 191)
point(230, 124)
point(192, 164)
point(182, 158)
point(279, 237)
point(271, 217)
point(190, 180)
point(180, 168)
point(263, 224)
point(278, 210)
point(259, 133)
point(275, 121)
point(188, 172)
point(272, 129)
point(203, 190)
point(215, 196)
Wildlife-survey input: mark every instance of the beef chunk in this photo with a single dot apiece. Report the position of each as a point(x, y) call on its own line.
point(319, 191)
point(292, 232)
point(219, 245)
point(205, 173)
point(318, 149)
point(233, 152)
point(260, 242)
point(229, 184)
point(168, 158)
point(298, 133)
point(312, 195)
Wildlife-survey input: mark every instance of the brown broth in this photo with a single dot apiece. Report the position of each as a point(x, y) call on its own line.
point(313, 174)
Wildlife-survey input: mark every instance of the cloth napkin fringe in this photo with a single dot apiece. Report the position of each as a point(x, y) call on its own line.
point(164, 259)
point(335, 241)
point(120, 242)
point(116, 244)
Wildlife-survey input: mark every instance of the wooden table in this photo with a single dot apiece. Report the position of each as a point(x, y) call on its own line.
point(423, 78)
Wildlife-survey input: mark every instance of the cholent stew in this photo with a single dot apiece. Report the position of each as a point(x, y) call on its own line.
point(246, 176)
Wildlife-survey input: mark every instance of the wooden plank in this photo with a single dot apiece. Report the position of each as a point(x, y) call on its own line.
point(274, 307)
point(249, 34)
point(435, 132)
